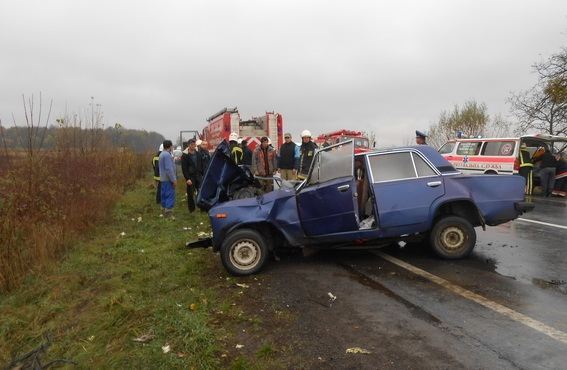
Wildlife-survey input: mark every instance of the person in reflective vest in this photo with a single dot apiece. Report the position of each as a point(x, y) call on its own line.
point(155, 165)
point(526, 168)
point(236, 153)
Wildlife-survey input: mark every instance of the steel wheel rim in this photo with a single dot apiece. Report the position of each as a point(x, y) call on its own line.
point(245, 254)
point(453, 238)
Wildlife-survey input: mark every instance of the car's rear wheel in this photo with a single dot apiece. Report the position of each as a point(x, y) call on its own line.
point(244, 252)
point(452, 237)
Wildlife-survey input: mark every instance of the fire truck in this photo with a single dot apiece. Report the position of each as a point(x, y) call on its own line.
point(361, 143)
point(227, 120)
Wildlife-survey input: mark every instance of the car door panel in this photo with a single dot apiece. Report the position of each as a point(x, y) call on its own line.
point(328, 208)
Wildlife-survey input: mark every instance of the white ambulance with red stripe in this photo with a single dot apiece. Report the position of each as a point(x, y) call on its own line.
point(494, 155)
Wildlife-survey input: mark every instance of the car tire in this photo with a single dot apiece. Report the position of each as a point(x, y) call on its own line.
point(452, 237)
point(244, 252)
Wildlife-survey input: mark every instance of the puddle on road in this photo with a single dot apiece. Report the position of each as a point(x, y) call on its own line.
point(363, 279)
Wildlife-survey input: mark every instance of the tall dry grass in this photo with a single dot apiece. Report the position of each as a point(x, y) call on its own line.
point(49, 198)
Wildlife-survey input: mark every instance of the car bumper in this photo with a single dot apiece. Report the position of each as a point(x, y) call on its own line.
point(523, 207)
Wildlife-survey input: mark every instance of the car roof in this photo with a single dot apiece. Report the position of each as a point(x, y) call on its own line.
point(429, 152)
point(540, 137)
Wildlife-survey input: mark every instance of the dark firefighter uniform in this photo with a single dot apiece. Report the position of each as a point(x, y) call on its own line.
point(306, 154)
point(526, 169)
point(236, 153)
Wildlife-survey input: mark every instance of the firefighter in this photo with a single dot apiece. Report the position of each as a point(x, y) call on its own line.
point(306, 154)
point(526, 168)
point(420, 138)
point(236, 153)
point(155, 165)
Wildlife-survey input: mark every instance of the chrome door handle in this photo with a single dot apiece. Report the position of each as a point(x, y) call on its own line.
point(433, 184)
point(343, 188)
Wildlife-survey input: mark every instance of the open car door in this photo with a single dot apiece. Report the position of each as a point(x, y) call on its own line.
point(326, 202)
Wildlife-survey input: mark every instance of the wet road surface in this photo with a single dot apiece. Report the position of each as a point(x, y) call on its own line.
point(503, 307)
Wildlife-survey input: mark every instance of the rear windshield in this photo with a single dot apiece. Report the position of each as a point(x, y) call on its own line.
point(499, 148)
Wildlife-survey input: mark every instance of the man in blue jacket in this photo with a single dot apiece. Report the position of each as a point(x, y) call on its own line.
point(167, 178)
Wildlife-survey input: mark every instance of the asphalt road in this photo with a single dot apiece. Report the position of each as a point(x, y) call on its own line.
point(503, 307)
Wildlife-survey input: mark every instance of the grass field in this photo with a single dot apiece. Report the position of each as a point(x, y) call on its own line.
point(130, 278)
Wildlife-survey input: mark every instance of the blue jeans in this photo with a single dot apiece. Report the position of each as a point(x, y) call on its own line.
point(167, 195)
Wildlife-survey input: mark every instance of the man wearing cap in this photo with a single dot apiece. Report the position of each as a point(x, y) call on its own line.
point(420, 138)
point(192, 169)
point(264, 164)
point(306, 155)
point(288, 158)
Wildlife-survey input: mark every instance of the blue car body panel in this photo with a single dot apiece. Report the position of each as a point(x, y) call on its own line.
point(327, 213)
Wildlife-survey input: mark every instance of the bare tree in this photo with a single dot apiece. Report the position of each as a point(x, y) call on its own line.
point(543, 108)
point(471, 119)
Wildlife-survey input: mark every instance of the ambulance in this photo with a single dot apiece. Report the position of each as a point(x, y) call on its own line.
point(495, 155)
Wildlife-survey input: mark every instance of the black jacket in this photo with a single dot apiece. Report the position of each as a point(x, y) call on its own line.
point(307, 152)
point(192, 171)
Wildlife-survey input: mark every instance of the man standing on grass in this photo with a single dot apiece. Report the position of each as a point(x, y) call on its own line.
point(192, 170)
point(167, 178)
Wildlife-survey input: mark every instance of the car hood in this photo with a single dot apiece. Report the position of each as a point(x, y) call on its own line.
point(222, 178)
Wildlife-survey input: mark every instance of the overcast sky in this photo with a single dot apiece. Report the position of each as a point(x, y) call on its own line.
point(386, 66)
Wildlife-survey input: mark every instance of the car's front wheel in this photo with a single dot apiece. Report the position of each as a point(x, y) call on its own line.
point(452, 237)
point(244, 252)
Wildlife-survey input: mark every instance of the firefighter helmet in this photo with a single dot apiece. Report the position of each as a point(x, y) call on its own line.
point(306, 133)
point(233, 136)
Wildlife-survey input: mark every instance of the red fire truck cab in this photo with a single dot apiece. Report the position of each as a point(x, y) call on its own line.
point(227, 120)
point(361, 143)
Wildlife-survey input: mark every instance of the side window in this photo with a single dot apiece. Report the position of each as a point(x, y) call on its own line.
point(333, 163)
point(393, 166)
point(422, 167)
point(499, 148)
point(447, 148)
point(469, 148)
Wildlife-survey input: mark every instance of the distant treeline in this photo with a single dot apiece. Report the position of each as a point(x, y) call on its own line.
point(139, 141)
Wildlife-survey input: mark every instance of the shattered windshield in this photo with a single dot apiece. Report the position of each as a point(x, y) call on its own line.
point(332, 163)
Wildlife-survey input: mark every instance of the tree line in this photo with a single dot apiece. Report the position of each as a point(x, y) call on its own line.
point(541, 108)
point(54, 136)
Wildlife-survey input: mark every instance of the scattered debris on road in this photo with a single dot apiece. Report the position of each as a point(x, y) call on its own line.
point(358, 350)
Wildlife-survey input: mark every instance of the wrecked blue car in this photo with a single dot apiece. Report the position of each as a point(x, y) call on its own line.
point(365, 201)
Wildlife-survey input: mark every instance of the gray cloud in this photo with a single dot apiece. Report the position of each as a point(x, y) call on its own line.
point(388, 66)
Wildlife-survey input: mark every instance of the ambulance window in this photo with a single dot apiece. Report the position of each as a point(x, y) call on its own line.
point(469, 148)
point(393, 166)
point(423, 169)
point(447, 148)
point(499, 148)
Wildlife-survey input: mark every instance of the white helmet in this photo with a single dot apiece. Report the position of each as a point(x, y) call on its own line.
point(306, 133)
point(160, 149)
point(233, 136)
point(198, 142)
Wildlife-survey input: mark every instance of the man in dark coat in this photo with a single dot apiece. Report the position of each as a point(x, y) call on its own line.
point(306, 155)
point(191, 165)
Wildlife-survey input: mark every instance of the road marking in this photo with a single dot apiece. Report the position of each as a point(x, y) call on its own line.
point(516, 316)
point(543, 223)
